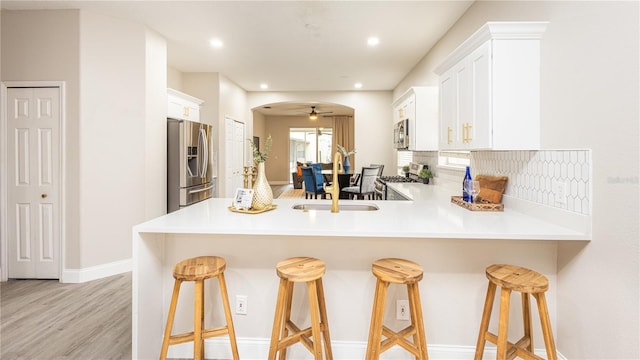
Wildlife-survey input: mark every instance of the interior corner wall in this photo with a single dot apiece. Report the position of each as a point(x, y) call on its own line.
point(112, 137)
point(174, 78)
point(259, 126)
point(44, 45)
point(206, 87)
point(156, 125)
point(589, 100)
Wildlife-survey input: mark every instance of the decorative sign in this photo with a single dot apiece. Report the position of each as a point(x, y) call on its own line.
point(243, 198)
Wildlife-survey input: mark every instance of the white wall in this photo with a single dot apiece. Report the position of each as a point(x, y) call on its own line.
point(112, 136)
point(44, 45)
point(372, 119)
point(156, 125)
point(589, 99)
point(112, 158)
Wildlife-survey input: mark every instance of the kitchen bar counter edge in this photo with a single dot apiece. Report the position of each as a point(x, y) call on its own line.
point(433, 216)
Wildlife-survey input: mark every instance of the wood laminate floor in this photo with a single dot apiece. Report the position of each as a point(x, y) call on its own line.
point(43, 319)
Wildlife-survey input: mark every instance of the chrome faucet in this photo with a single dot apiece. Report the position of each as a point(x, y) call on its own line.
point(334, 189)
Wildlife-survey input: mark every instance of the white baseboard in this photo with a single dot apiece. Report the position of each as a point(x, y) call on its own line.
point(96, 272)
point(258, 349)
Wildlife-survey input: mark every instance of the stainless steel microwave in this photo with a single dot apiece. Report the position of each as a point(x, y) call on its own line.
point(401, 135)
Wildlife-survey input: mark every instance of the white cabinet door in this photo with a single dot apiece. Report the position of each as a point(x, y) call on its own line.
point(490, 92)
point(456, 114)
point(448, 111)
point(476, 131)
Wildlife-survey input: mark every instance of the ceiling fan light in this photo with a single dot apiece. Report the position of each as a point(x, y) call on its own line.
point(313, 115)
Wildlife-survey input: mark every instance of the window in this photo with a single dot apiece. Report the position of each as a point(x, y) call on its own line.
point(403, 159)
point(309, 145)
point(454, 159)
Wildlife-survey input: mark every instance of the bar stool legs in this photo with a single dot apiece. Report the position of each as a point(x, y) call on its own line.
point(513, 278)
point(397, 271)
point(285, 333)
point(198, 270)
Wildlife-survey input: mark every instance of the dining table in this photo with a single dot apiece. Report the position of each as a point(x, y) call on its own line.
point(344, 180)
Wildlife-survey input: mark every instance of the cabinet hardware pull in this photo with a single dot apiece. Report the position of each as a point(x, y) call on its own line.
point(44, 196)
point(449, 134)
point(469, 126)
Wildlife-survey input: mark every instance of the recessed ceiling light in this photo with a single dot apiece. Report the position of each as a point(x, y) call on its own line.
point(373, 41)
point(357, 85)
point(264, 86)
point(216, 43)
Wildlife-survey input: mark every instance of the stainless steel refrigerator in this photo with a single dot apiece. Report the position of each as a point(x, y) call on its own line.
point(189, 167)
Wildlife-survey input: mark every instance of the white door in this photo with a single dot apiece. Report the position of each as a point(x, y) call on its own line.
point(234, 159)
point(33, 185)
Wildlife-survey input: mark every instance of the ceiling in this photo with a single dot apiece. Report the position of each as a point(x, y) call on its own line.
point(289, 45)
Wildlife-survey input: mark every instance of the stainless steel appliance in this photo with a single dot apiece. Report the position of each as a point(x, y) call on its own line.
point(401, 135)
point(381, 190)
point(189, 170)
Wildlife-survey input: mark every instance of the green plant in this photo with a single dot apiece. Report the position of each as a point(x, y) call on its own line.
point(405, 169)
point(425, 174)
point(259, 157)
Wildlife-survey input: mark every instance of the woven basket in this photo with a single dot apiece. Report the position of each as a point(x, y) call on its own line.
point(476, 206)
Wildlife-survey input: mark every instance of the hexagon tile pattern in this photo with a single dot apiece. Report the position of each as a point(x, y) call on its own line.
point(533, 175)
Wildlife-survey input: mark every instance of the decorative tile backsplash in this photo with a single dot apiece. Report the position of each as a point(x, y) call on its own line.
point(539, 176)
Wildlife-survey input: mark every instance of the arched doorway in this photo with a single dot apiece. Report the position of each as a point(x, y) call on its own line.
point(299, 135)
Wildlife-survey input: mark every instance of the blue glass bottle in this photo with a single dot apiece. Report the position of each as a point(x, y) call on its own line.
point(465, 195)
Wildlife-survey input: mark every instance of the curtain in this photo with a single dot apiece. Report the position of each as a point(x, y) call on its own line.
point(343, 134)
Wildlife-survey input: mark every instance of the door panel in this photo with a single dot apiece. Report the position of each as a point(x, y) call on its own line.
point(234, 156)
point(33, 123)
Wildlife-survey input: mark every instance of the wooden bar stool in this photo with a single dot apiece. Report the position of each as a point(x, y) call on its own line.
point(285, 332)
point(199, 269)
point(397, 271)
point(526, 281)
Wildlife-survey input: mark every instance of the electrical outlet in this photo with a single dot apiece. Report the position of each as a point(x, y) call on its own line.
point(402, 310)
point(241, 304)
point(559, 190)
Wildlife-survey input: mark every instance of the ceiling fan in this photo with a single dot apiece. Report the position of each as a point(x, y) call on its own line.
point(313, 115)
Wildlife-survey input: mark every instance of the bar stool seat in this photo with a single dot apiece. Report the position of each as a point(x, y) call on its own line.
point(527, 282)
point(199, 269)
point(285, 333)
point(403, 272)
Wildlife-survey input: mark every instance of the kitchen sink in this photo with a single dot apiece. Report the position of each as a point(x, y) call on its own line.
point(342, 207)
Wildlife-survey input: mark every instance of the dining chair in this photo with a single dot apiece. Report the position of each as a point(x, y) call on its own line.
point(366, 186)
point(312, 185)
point(355, 180)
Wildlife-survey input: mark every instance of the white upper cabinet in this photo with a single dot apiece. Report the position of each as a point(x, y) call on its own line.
point(490, 89)
point(182, 106)
point(419, 105)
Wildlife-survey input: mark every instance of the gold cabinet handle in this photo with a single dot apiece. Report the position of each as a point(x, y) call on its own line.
point(466, 133)
point(449, 134)
point(44, 196)
point(185, 111)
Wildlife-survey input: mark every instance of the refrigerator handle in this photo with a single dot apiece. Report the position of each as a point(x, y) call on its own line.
point(205, 153)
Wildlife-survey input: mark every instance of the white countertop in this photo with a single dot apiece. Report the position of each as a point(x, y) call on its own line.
point(431, 215)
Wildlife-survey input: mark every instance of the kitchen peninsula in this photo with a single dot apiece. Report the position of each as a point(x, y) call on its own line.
point(452, 244)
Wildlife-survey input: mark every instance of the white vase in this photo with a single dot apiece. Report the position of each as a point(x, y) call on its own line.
point(262, 194)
